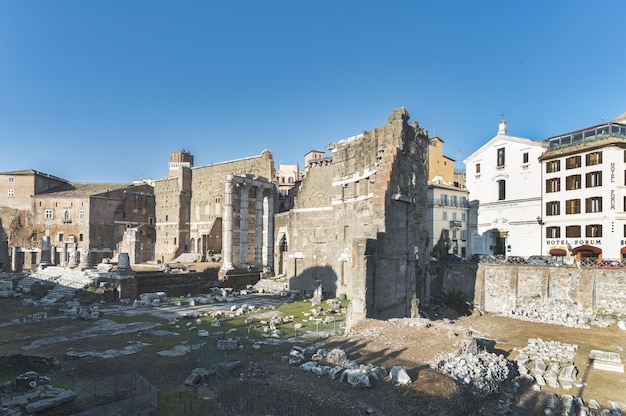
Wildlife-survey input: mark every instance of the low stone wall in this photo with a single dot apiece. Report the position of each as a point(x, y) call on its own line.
point(502, 288)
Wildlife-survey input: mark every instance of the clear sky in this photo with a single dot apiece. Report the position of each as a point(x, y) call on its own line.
point(104, 90)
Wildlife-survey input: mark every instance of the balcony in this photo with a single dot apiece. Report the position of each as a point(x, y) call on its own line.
point(456, 224)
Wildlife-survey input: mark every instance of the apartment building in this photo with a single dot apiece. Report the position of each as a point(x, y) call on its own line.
point(584, 193)
point(502, 178)
point(447, 212)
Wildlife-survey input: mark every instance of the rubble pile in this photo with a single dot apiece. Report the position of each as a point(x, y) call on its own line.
point(31, 393)
point(481, 371)
point(335, 364)
point(548, 362)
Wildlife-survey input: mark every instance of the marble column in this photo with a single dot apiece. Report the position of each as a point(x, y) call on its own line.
point(227, 227)
point(14, 265)
point(268, 229)
point(243, 226)
point(258, 228)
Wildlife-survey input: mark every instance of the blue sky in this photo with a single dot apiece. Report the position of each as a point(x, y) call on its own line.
point(104, 90)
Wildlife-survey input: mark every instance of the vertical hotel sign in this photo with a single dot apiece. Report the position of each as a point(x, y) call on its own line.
point(613, 186)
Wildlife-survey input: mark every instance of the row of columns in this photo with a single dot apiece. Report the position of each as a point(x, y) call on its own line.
point(237, 189)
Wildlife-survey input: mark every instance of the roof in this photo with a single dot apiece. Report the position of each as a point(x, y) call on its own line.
point(505, 138)
point(26, 172)
point(83, 189)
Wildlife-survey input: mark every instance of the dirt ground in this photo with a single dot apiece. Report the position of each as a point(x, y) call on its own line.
point(271, 386)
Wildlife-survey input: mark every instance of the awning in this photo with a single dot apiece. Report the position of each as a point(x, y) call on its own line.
point(557, 252)
point(594, 250)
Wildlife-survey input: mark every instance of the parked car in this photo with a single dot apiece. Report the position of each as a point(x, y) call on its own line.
point(516, 260)
point(611, 264)
point(452, 258)
point(486, 258)
point(543, 261)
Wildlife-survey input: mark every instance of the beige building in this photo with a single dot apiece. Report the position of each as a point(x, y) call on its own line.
point(53, 221)
point(287, 177)
point(221, 209)
point(448, 207)
point(357, 227)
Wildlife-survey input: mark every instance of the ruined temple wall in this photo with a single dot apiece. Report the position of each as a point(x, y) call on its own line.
point(502, 288)
point(168, 205)
point(207, 202)
point(356, 224)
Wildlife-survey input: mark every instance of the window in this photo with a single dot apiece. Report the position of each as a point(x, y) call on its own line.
point(572, 182)
point(455, 200)
point(150, 220)
point(594, 158)
point(501, 157)
point(454, 214)
point(553, 185)
point(593, 204)
point(593, 230)
point(572, 231)
point(67, 216)
point(463, 234)
point(553, 166)
point(553, 232)
point(478, 167)
point(80, 237)
point(572, 162)
point(553, 208)
point(525, 157)
point(81, 214)
point(572, 206)
point(12, 178)
point(464, 216)
point(593, 179)
point(501, 189)
point(445, 216)
point(11, 193)
point(61, 236)
point(48, 214)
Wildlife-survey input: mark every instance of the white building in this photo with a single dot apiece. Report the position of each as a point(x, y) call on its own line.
point(584, 193)
point(503, 178)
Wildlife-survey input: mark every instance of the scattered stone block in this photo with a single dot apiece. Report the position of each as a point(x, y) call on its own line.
point(399, 375)
point(356, 379)
point(337, 357)
point(607, 361)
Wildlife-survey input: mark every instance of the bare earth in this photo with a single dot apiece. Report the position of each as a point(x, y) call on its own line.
point(273, 387)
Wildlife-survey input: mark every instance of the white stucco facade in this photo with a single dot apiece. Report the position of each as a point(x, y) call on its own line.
point(584, 193)
point(504, 184)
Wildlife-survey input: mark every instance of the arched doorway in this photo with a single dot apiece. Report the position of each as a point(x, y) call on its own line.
point(587, 253)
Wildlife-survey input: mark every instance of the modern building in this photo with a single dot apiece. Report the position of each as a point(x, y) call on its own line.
point(584, 193)
point(502, 177)
point(447, 204)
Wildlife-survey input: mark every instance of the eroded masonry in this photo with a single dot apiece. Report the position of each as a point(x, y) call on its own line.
point(357, 228)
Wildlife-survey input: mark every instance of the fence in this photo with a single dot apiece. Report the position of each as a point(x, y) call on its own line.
point(145, 398)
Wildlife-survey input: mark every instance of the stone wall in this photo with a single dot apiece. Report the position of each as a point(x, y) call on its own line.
point(502, 288)
point(358, 222)
point(190, 204)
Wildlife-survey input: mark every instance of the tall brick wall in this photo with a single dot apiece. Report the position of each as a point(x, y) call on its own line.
point(358, 221)
point(190, 203)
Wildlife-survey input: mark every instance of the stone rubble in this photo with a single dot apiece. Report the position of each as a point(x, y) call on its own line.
point(480, 371)
point(551, 363)
point(31, 393)
point(358, 376)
